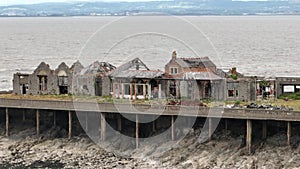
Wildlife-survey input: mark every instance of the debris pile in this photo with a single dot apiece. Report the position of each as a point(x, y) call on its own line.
point(267, 107)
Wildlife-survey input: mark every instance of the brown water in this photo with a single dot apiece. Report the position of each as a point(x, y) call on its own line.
point(257, 45)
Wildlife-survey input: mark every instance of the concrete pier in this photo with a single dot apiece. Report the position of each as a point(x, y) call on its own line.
point(172, 128)
point(86, 122)
point(264, 130)
point(289, 131)
point(54, 118)
point(103, 127)
point(119, 123)
point(137, 131)
point(37, 122)
point(249, 136)
point(24, 116)
point(70, 125)
point(210, 129)
point(6, 122)
point(11, 107)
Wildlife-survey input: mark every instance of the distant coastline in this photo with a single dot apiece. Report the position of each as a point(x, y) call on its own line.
point(178, 8)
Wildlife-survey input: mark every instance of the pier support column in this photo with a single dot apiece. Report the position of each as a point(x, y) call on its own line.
point(70, 125)
point(37, 122)
point(103, 127)
point(226, 127)
point(137, 131)
point(24, 115)
point(119, 121)
point(289, 131)
point(172, 128)
point(86, 122)
point(153, 124)
point(54, 118)
point(209, 129)
point(249, 136)
point(6, 123)
point(264, 130)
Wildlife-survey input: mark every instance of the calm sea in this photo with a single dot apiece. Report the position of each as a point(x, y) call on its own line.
point(256, 45)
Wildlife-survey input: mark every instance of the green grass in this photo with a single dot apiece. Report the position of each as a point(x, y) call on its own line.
point(293, 96)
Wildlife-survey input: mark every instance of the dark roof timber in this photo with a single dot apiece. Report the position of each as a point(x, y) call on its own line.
point(135, 64)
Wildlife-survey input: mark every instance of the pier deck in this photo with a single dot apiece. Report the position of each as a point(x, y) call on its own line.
point(169, 110)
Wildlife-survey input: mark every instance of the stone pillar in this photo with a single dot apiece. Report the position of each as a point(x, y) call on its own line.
point(103, 127)
point(131, 91)
point(249, 136)
point(264, 130)
point(289, 131)
point(144, 91)
point(37, 122)
point(123, 90)
point(70, 125)
point(159, 91)
point(6, 123)
point(137, 131)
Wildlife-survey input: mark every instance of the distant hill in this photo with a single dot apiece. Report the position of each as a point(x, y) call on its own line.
point(176, 7)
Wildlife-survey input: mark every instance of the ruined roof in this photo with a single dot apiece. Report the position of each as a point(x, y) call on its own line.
point(98, 68)
point(201, 76)
point(135, 64)
point(195, 62)
point(76, 64)
point(146, 74)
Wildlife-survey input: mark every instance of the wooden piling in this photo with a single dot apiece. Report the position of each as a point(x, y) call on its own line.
point(172, 128)
point(249, 136)
point(119, 121)
point(264, 130)
point(6, 123)
point(37, 122)
point(103, 127)
point(70, 125)
point(209, 129)
point(289, 131)
point(137, 131)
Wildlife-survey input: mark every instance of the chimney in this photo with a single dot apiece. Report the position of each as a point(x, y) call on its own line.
point(233, 71)
point(174, 55)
